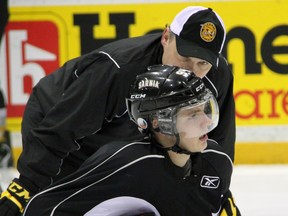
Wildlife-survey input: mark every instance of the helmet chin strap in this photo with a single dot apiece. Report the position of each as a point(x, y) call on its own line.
point(176, 148)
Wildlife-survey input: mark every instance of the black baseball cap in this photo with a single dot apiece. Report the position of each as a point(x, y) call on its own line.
point(200, 33)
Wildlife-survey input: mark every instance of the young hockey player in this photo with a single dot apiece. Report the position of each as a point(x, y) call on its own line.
point(175, 168)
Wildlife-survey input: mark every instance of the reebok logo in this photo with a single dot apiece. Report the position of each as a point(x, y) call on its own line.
point(210, 182)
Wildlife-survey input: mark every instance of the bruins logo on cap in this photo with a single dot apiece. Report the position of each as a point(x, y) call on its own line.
point(208, 32)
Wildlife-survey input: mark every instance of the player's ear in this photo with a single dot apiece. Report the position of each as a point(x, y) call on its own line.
point(165, 36)
point(155, 123)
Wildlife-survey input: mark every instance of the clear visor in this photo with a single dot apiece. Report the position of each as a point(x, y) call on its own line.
point(197, 119)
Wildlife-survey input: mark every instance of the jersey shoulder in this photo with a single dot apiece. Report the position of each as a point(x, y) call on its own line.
point(133, 49)
point(122, 152)
point(219, 162)
point(215, 152)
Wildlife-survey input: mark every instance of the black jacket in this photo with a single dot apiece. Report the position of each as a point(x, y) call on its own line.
point(4, 11)
point(81, 106)
point(140, 170)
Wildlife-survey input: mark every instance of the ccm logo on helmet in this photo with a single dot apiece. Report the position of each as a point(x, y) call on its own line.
point(138, 96)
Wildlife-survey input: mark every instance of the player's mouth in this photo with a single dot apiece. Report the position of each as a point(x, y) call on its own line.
point(203, 138)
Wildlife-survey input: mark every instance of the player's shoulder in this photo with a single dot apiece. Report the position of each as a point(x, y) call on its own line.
point(134, 149)
point(121, 145)
point(121, 46)
point(123, 152)
point(216, 155)
point(132, 49)
point(218, 163)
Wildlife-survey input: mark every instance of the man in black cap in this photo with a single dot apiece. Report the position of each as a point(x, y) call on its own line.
point(4, 15)
point(81, 106)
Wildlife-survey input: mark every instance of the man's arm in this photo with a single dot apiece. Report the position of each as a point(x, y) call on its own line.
point(229, 207)
point(79, 111)
point(225, 132)
point(4, 15)
point(59, 111)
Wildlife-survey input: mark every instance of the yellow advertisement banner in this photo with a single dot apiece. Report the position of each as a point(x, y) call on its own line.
point(256, 48)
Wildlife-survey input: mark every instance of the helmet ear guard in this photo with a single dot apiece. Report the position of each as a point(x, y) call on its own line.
point(165, 121)
point(166, 126)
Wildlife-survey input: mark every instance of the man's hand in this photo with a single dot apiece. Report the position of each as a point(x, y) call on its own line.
point(229, 207)
point(13, 200)
point(8, 208)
